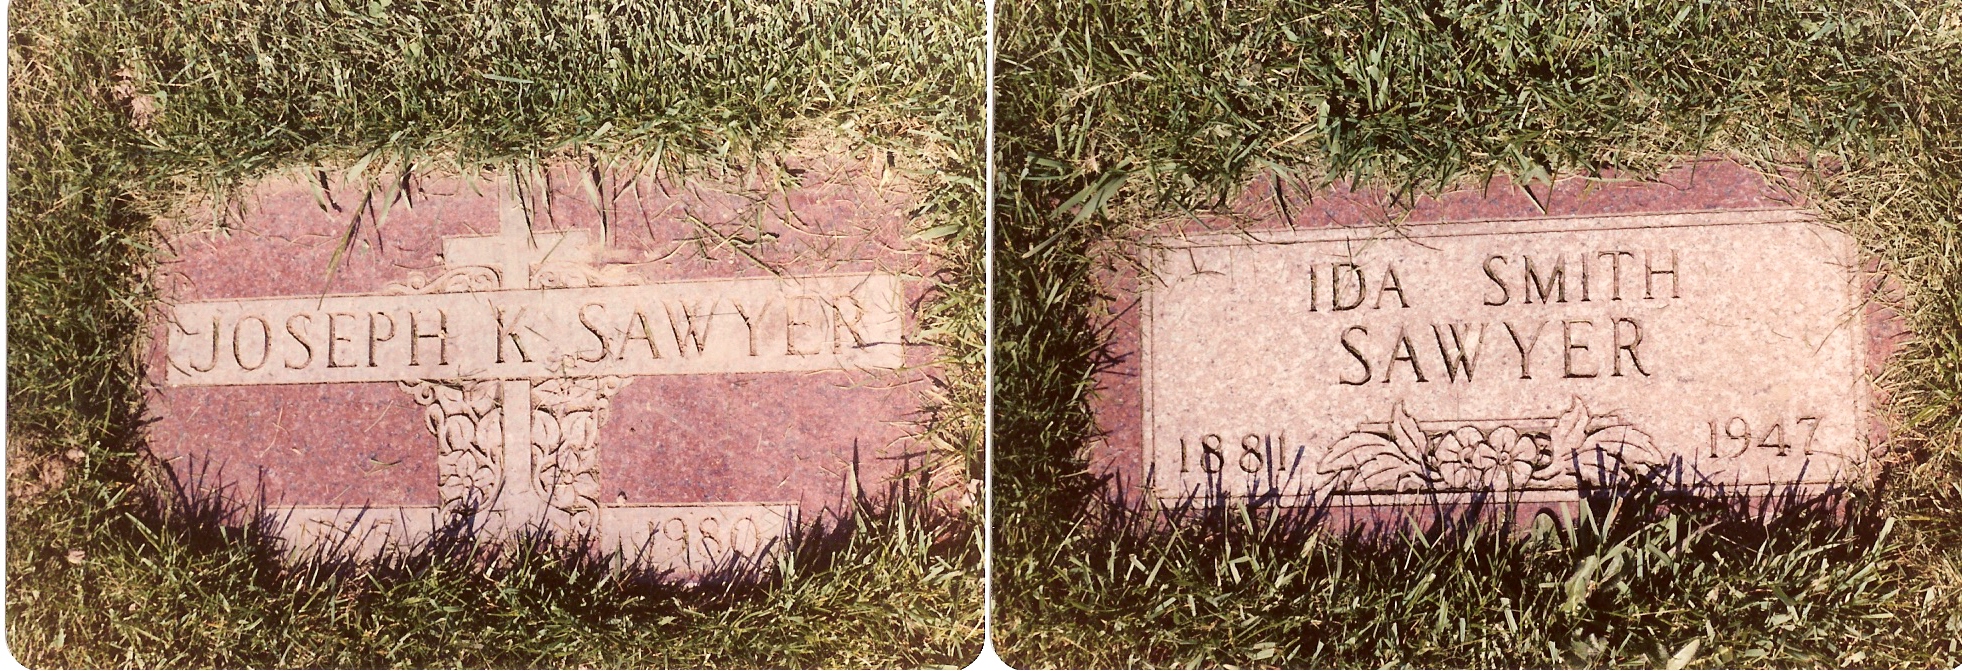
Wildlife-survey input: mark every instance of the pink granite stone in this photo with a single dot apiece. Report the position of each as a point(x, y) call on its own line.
point(1701, 186)
point(736, 437)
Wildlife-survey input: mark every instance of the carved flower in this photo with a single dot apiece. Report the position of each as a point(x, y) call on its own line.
point(1406, 458)
point(1504, 458)
point(1525, 455)
point(1461, 460)
point(1502, 444)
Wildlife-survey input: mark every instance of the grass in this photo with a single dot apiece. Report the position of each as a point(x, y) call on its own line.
point(118, 109)
point(1115, 112)
point(1122, 109)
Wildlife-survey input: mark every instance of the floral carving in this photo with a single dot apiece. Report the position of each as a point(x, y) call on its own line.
point(469, 431)
point(454, 280)
point(566, 416)
point(1407, 456)
point(464, 415)
point(560, 275)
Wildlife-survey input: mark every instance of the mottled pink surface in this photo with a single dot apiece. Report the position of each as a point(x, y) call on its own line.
point(1698, 186)
point(675, 439)
point(338, 444)
point(699, 438)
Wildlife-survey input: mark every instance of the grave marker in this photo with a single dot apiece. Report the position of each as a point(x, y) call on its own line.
point(513, 349)
point(1528, 357)
point(1478, 352)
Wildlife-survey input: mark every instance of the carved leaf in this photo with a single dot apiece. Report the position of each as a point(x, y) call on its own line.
point(1363, 461)
point(577, 429)
point(1571, 429)
point(1543, 470)
point(481, 397)
point(544, 430)
point(1622, 448)
point(463, 279)
point(1409, 437)
point(469, 437)
point(490, 434)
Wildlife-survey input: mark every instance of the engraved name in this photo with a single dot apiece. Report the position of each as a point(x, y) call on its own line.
point(749, 325)
point(1594, 344)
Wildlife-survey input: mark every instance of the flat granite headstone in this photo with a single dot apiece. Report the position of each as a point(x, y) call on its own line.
point(682, 370)
point(1701, 330)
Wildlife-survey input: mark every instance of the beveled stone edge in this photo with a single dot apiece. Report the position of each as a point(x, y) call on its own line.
point(1443, 229)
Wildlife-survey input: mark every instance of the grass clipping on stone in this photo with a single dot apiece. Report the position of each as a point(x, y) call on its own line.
point(1115, 113)
point(120, 109)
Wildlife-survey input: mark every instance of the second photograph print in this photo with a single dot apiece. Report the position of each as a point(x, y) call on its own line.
point(1470, 335)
